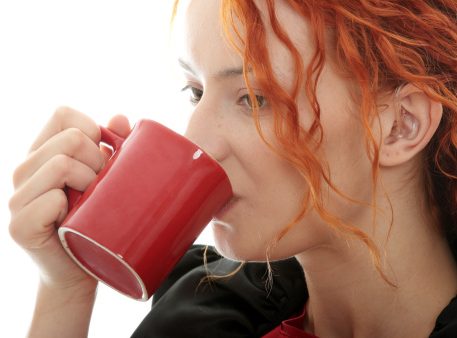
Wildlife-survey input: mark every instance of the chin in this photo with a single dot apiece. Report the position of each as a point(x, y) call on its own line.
point(224, 245)
point(249, 252)
point(239, 246)
point(238, 254)
point(242, 252)
point(232, 246)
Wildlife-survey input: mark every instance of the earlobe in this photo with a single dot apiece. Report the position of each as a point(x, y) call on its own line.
point(409, 125)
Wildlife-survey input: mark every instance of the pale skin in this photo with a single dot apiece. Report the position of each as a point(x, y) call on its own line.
point(348, 297)
point(65, 153)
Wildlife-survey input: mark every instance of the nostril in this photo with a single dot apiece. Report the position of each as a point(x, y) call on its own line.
point(219, 148)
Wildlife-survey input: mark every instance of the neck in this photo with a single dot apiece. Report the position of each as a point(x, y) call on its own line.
point(349, 298)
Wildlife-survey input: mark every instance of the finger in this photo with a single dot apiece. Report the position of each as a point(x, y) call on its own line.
point(33, 226)
point(64, 118)
point(58, 172)
point(120, 125)
point(71, 142)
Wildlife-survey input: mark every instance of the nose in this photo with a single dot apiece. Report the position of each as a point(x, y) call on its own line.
point(209, 131)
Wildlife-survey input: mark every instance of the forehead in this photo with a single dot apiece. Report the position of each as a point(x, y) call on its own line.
point(201, 41)
point(199, 38)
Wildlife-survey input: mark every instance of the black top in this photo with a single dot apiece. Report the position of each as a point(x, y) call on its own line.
point(187, 306)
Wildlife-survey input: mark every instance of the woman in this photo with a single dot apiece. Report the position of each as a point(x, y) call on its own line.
point(336, 122)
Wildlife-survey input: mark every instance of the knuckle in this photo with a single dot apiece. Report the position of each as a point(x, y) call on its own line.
point(75, 138)
point(16, 177)
point(93, 131)
point(29, 228)
point(14, 230)
point(21, 232)
point(62, 112)
point(12, 203)
point(18, 231)
point(60, 164)
point(18, 174)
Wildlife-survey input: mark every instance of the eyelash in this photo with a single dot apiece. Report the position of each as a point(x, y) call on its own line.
point(246, 100)
point(196, 95)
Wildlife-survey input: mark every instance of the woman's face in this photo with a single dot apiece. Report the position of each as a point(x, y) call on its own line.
point(268, 190)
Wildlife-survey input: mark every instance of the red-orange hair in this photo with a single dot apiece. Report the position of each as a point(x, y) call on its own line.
point(381, 45)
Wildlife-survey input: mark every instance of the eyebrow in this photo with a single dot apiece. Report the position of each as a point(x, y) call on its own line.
point(225, 73)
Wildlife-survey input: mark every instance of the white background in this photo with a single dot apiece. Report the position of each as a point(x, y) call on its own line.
point(100, 57)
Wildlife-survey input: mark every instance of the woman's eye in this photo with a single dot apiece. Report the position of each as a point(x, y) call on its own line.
point(195, 94)
point(246, 100)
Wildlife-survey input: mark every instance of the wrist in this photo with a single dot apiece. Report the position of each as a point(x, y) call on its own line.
point(70, 290)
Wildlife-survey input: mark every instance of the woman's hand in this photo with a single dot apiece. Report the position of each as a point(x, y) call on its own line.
point(66, 153)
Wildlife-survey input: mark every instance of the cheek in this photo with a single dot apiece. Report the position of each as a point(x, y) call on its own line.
point(255, 223)
point(344, 150)
point(350, 172)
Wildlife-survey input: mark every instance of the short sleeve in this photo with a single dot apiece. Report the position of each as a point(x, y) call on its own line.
point(237, 306)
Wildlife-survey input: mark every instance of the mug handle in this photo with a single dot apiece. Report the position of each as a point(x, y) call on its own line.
point(109, 138)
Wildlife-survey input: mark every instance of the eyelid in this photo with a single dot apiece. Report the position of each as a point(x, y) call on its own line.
point(191, 84)
point(244, 95)
point(196, 92)
point(245, 91)
point(186, 87)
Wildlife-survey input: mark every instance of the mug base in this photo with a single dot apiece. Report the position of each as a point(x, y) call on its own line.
point(103, 264)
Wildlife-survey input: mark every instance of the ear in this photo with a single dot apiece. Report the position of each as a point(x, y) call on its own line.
point(408, 125)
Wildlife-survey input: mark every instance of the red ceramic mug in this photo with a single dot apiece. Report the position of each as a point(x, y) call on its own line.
point(144, 209)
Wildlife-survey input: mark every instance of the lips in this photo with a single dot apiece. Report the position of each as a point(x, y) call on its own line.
point(226, 207)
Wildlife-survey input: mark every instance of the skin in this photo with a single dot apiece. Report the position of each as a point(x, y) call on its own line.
point(222, 124)
point(65, 153)
point(339, 270)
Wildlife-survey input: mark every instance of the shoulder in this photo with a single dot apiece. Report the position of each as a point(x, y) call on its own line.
point(241, 305)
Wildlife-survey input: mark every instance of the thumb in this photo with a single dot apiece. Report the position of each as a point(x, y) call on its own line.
point(120, 125)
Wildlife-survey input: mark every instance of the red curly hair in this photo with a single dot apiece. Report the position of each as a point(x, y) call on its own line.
point(381, 45)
